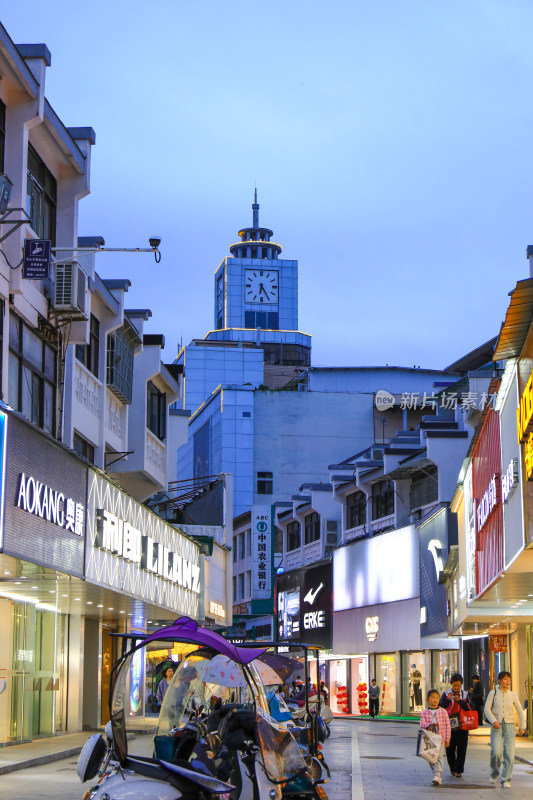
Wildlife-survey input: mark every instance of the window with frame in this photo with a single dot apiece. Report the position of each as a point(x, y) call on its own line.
point(266, 320)
point(87, 354)
point(382, 499)
point(278, 540)
point(311, 527)
point(355, 509)
point(120, 354)
point(424, 488)
point(41, 197)
point(293, 535)
point(156, 410)
point(264, 483)
point(247, 543)
point(236, 547)
point(32, 375)
point(82, 447)
point(2, 135)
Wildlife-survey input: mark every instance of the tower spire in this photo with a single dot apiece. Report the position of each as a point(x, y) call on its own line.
point(255, 211)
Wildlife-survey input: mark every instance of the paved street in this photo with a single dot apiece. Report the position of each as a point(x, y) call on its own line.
point(375, 761)
point(371, 761)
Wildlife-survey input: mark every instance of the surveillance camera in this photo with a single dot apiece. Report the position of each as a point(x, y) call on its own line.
point(155, 241)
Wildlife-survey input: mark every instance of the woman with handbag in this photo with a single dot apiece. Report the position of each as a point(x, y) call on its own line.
point(499, 710)
point(454, 701)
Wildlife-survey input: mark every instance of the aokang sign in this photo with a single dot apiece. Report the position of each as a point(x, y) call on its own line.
point(119, 537)
point(37, 498)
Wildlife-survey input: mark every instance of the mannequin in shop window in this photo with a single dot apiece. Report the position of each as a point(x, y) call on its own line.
point(416, 689)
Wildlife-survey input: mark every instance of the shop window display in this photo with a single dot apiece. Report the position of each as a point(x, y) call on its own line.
point(339, 699)
point(445, 664)
point(417, 682)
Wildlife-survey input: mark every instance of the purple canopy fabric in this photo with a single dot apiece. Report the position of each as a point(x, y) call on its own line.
point(186, 629)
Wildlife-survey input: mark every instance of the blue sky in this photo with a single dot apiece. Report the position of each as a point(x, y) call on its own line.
point(390, 143)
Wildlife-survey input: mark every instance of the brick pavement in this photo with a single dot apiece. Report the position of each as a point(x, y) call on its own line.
point(376, 761)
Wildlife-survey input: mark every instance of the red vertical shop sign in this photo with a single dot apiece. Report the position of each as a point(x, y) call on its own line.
point(488, 512)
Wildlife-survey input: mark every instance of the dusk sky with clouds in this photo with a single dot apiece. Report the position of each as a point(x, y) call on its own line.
point(391, 144)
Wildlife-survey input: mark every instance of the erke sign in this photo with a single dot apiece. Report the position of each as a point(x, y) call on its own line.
point(314, 619)
point(120, 538)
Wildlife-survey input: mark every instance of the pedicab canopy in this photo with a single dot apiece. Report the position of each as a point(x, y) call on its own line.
point(185, 629)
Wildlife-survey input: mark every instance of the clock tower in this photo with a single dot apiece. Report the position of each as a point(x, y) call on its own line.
point(256, 297)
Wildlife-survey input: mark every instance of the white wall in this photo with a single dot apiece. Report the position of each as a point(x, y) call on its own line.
point(370, 379)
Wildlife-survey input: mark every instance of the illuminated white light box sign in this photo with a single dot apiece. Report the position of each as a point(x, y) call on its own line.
point(216, 609)
point(383, 569)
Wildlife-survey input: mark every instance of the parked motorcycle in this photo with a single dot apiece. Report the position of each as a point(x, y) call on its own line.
point(215, 736)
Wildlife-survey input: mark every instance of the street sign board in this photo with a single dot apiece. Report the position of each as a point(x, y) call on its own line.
point(36, 261)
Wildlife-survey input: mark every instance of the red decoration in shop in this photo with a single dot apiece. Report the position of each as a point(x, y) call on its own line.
point(342, 700)
point(362, 695)
point(498, 644)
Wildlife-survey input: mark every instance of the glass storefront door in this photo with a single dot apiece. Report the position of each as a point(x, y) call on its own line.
point(387, 669)
point(33, 700)
point(414, 683)
point(360, 683)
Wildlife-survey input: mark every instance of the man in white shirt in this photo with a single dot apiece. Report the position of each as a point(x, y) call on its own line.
point(499, 710)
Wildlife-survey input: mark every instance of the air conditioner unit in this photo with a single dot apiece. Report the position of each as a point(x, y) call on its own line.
point(332, 539)
point(377, 454)
point(70, 288)
point(332, 525)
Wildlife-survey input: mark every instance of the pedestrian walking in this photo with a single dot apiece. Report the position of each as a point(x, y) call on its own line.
point(164, 684)
point(436, 719)
point(477, 697)
point(454, 701)
point(373, 699)
point(499, 710)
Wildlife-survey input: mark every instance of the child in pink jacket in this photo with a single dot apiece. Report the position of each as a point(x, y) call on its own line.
point(437, 720)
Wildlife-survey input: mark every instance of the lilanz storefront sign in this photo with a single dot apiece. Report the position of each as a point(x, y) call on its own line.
point(122, 539)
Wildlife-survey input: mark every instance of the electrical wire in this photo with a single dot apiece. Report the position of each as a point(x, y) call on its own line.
point(7, 261)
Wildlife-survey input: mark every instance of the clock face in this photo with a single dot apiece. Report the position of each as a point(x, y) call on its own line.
point(261, 286)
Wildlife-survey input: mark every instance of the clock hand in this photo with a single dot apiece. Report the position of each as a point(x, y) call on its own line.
point(262, 289)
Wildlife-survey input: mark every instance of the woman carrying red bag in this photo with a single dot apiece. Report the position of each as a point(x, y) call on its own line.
point(454, 701)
